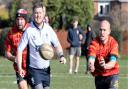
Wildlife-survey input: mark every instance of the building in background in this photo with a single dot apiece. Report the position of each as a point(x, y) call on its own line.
point(117, 13)
point(113, 10)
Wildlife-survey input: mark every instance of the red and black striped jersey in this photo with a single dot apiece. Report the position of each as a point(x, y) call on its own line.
point(98, 50)
point(11, 43)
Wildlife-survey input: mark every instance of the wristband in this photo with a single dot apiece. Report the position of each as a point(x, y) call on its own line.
point(91, 58)
point(61, 56)
point(113, 58)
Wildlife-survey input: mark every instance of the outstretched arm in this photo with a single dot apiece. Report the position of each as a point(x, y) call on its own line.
point(10, 56)
point(91, 61)
point(110, 64)
point(60, 54)
point(19, 64)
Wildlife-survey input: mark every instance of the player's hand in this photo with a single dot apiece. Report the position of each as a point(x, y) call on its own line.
point(91, 67)
point(63, 60)
point(80, 36)
point(102, 62)
point(22, 72)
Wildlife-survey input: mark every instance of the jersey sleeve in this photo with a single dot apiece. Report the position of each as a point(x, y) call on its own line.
point(92, 49)
point(54, 39)
point(114, 48)
point(7, 42)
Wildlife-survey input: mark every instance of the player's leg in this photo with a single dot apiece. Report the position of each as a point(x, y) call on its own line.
point(71, 63)
point(34, 78)
point(100, 82)
point(38, 86)
point(46, 81)
point(113, 84)
point(22, 82)
point(77, 57)
point(39, 78)
point(71, 56)
point(46, 87)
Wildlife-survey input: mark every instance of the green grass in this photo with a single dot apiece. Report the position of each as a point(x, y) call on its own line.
point(60, 77)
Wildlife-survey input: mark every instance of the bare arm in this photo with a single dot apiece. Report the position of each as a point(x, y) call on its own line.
point(19, 60)
point(60, 54)
point(109, 65)
point(19, 63)
point(10, 56)
point(91, 62)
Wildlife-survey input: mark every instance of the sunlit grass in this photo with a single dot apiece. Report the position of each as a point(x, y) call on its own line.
point(60, 77)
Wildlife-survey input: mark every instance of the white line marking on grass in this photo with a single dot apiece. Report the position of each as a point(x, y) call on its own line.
point(6, 65)
point(7, 75)
point(67, 75)
point(125, 66)
point(9, 82)
point(83, 76)
point(64, 76)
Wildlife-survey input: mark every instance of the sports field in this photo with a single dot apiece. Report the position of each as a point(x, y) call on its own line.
point(60, 77)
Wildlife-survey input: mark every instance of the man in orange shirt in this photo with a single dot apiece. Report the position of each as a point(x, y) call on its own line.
point(12, 42)
point(103, 55)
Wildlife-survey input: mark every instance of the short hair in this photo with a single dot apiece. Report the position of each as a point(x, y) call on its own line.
point(38, 5)
point(75, 18)
point(107, 22)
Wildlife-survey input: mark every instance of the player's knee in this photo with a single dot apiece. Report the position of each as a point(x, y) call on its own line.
point(46, 87)
point(23, 85)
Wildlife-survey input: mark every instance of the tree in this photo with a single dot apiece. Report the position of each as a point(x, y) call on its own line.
point(60, 12)
point(16, 4)
point(57, 9)
point(12, 10)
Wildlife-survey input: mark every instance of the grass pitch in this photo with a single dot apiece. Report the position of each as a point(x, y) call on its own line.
point(60, 79)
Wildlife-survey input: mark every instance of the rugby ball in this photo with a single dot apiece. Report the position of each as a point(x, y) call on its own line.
point(46, 51)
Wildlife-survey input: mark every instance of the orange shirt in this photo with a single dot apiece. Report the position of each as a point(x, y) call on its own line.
point(98, 50)
point(11, 43)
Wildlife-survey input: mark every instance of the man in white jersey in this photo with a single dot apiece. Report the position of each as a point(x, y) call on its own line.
point(38, 34)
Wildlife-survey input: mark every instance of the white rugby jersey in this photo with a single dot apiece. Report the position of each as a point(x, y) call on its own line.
point(35, 38)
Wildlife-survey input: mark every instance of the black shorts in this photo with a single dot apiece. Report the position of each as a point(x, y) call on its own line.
point(37, 76)
point(19, 78)
point(106, 82)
